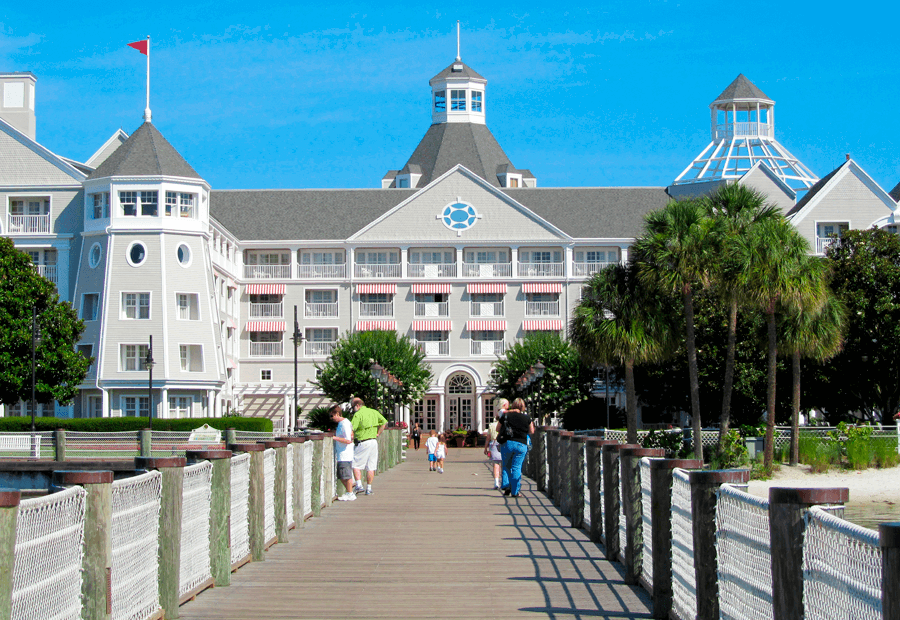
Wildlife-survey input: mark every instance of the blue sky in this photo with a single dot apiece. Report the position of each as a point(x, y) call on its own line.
point(335, 94)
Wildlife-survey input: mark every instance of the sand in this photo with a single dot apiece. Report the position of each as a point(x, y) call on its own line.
point(870, 486)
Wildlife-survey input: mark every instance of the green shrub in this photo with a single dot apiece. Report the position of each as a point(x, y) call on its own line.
point(671, 442)
point(109, 425)
point(859, 449)
point(752, 430)
point(731, 452)
point(758, 470)
point(885, 452)
point(819, 454)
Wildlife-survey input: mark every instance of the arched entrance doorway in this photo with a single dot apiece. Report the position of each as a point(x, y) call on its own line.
point(460, 399)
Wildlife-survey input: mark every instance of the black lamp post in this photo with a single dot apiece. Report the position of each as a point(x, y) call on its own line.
point(35, 341)
point(149, 362)
point(529, 378)
point(297, 338)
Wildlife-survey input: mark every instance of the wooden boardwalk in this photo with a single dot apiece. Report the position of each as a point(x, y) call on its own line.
point(429, 545)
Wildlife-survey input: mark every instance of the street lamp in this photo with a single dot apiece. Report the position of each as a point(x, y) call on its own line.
point(296, 338)
point(35, 341)
point(149, 363)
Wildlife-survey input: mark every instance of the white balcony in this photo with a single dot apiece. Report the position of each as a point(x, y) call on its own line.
point(383, 310)
point(434, 348)
point(584, 270)
point(48, 271)
point(541, 270)
point(488, 347)
point(823, 243)
point(384, 270)
point(266, 349)
point(28, 224)
point(322, 272)
point(443, 270)
point(267, 272)
point(319, 310)
point(487, 270)
point(432, 308)
point(317, 349)
point(486, 308)
point(541, 308)
point(258, 311)
point(743, 129)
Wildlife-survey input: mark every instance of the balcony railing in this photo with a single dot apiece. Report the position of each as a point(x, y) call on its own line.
point(378, 271)
point(266, 349)
point(317, 349)
point(541, 270)
point(486, 308)
point(443, 270)
point(487, 347)
point(541, 308)
point(744, 128)
point(487, 270)
point(48, 271)
point(327, 272)
point(376, 309)
point(434, 348)
point(316, 310)
point(584, 270)
point(267, 272)
point(432, 308)
point(266, 310)
point(29, 224)
point(823, 243)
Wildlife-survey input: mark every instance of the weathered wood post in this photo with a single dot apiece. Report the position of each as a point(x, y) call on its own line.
point(256, 509)
point(316, 482)
point(594, 459)
point(297, 482)
point(889, 536)
point(564, 459)
point(579, 480)
point(280, 448)
point(59, 441)
point(553, 464)
point(661, 517)
point(170, 512)
point(145, 440)
point(786, 508)
point(633, 509)
point(611, 500)
point(230, 436)
point(540, 458)
point(704, 485)
point(97, 562)
point(328, 464)
point(9, 517)
point(219, 512)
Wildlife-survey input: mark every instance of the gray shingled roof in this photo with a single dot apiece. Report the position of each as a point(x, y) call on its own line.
point(895, 193)
point(145, 153)
point(467, 72)
point(447, 144)
point(321, 214)
point(741, 88)
point(814, 190)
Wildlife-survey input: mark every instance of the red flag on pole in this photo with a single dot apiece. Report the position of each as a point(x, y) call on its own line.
point(140, 46)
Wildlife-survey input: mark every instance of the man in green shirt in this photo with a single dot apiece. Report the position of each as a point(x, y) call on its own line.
point(367, 426)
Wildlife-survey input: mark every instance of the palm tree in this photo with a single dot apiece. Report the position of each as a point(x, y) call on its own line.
point(674, 254)
point(735, 208)
point(618, 320)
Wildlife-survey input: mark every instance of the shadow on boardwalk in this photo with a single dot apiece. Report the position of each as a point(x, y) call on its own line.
point(429, 545)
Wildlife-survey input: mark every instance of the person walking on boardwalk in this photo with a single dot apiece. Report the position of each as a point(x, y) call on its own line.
point(492, 446)
point(516, 427)
point(367, 426)
point(431, 445)
point(415, 435)
point(440, 453)
point(343, 451)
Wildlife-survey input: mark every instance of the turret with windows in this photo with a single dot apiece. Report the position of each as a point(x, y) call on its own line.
point(457, 95)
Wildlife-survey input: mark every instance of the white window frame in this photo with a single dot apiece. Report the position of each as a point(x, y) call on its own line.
point(137, 306)
point(103, 206)
point(140, 356)
point(176, 408)
point(262, 377)
point(136, 410)
point(192, 316)
point(186, 356)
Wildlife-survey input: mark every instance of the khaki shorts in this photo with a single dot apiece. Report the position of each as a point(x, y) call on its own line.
point(365, 455)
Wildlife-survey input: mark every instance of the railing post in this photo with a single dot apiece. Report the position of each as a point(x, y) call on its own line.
point(280, 488)
point(553, 464)
point(595, 484)
point(318, 448)
point(612, 503)
point(633, 508)
point(704, 485)
point(661, 518)
point(328, 465)
point(565, 458)
point(230, 436)
point(170, 512)
point(786, 508)
point(219, 512)
point(889, 536)
point(297, 482)
point(145, 438)
point(539, 458)
point(60, 444)
point(9, 516)
point(256, 510)
point(579, 480)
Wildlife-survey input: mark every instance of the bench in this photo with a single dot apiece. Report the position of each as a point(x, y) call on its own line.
point(19, 443)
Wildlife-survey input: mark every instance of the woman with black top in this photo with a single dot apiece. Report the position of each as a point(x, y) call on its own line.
point(517, 426)
point(415, 435)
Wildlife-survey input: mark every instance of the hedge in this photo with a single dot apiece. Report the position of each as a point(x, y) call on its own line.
point(108, 425)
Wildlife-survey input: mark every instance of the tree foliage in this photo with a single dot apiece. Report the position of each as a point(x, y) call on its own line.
point(59, 368)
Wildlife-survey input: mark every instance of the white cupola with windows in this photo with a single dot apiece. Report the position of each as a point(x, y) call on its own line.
point(457, 95)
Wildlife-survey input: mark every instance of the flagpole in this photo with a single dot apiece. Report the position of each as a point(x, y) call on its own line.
point(147, 109)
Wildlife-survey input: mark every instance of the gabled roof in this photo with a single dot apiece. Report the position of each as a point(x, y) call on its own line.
point(465, 72)
point(145, 153)
point(815, 189)
point(109, 147)
point(741, 88)
point(24, 162)
point(895, 193)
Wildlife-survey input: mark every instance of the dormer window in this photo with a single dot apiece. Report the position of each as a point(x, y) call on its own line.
point(476, 100)
point(403, 182)
point(458, 100)
point(440, 101)
point(100, 204)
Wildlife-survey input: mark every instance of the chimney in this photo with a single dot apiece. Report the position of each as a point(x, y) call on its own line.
point(17, 101)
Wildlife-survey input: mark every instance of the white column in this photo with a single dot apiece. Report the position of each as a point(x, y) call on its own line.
point(624, 255)
point(288, 414)
point(479, 412)
point(460, 254)
point(567, 272)
point(514, 261)
point(105, 398)
point(210, 404)
point(440, 412)
point(164, 403)
point(404, 261)
point(295, 263)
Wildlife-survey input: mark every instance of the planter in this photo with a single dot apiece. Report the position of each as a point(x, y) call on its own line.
point(460, 441)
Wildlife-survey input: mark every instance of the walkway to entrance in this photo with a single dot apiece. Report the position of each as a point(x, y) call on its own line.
point(429, 545)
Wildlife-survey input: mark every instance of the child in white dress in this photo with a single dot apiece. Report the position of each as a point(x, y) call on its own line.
point(439, 454)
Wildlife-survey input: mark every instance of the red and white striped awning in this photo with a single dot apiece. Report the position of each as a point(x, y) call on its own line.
point(265, 289)
point(430, 288)
point(432, 326)
point(486, 326)
point(543, 325)
point(265, 326)
point(366, 289)
point(486, 287)
point(542, 287)
point(369, 326)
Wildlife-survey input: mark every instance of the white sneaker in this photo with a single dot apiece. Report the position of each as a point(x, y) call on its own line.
point(358, 489)
point(351, 497)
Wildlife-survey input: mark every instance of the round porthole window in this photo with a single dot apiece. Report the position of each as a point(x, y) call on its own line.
point(184, 255)
point(137, 253)
point(95, 255)
point(459, 216)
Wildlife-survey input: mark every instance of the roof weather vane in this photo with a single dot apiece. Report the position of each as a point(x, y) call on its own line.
point(457, 40)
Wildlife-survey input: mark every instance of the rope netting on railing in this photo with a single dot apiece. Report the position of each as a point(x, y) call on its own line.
point(196, 497)
point(119, 444)
point(684, 580)
point(743, 550)
point(46, 574)
point(269, 494)
point(307, 476)
point(240, 507)
point(134, 536)
point(585, 489)
point(251, 436)
point(289, 502)
point(622, 522)
point(841, 569)
point(322, 483)
point(647, 522)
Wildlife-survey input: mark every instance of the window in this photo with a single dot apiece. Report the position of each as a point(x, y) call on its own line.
point(180, 406)
point(440, 101)
point(184, 255)
point(458, 100)
point(431, 413)
point(268, 259)
point(136, 406)
point(95, 255)
point(94, 408)
point(593, 256)
point(29, 215)
point(431, 258)
point(179, 204)
point(375, 298)
point(377, 258)
point(145, 202)
point(489, 409)
point(321, 297)
point(149, 203)
point(136, 254)
point(86, 350)
point(513, 182)
point(542, 257)
point(191, 356)
point(320, 341)
point(486, 256)
point(90, 306)
point(128, 202)
point(188, 306)
point(134, 357)
point(265, 374)
point(29, 206)
point(100, 205)
point(136, 306)
point(476, 101)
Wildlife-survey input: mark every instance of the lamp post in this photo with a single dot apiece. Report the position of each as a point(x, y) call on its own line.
point(35, 341)
point(149, 363)
point(297, 338)
point(606, 385)
point(529, 378)
point(391, 384)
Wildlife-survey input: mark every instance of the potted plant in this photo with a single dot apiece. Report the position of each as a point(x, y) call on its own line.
point(459, 436)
